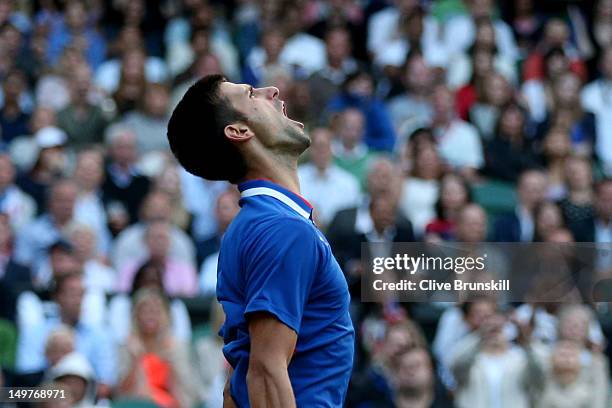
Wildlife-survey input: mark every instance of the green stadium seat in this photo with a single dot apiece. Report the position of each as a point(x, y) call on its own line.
point(8, 344)
point(134, 403)
point(496, 197)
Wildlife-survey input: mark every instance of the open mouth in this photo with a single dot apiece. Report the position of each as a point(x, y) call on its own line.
point(284, 111)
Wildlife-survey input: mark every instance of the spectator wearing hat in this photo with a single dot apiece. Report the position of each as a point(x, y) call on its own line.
point(75, 373)
point(49, 164)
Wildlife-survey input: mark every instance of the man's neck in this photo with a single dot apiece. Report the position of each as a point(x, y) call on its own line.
point(281, 170)
point(414, 400)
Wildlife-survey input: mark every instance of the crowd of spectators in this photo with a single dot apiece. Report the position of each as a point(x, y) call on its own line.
point(435, 121)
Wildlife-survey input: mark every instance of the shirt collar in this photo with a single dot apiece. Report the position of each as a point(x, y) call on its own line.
point(295, 201)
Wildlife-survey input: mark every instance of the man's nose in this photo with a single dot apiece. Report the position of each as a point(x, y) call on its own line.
point(270, 92)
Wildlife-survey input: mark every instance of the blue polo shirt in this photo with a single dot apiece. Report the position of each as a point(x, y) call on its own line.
point(274, 259)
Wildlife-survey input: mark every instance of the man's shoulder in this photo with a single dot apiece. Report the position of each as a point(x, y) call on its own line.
point(266, 226)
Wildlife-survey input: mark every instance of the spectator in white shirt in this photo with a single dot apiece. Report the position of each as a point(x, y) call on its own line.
point(34, 240)
point(225, 210)
point(19, 206)
point(301, 50)
point(89, 209)
point(96, 274)
point(412, 108)
point(460, 31)
point(389, 31)
point(420, 189)
point(328, 187)
point(130, 39)
point(130, 243)
point(597, 99)
point(458, 142)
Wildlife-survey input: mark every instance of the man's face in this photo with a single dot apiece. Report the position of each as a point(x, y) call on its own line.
point(478, 312)
point(158, 240)
point(532, 189)
point(606, 63)
point(227, 208)
point(62, 202)
point(123, 149)
point(351, 127)
point(77, 386)
point(157, 207)
point(414, 370)
point(338, 45)
point(418, 74)
point(266, 116)
point(472, 225)
point(7, 172)
point(320, 152)
point(89, 171)
point(481, 8)
point(603, 201)
point(69, 299)
point(382, 178)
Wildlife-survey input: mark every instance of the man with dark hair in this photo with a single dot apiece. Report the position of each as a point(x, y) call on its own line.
point(288, 334)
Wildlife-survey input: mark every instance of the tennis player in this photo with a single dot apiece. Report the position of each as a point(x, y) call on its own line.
point(287, 333)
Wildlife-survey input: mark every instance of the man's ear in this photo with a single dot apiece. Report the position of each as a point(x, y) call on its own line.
point(238, 132)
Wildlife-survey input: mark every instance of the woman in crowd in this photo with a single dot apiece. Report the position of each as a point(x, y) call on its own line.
point(148, 276)
point(154, 364)
point(420, 188)
point(564, 109)
point(454, 194)
point(556, 148)
point(486, 112)
point(509, 152)
point(577, 206)
point(547, 218)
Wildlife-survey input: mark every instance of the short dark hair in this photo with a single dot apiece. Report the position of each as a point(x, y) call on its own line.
point(196, 133)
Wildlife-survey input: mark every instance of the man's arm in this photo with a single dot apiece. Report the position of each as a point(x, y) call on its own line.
point(272, 345)
point(228, 401)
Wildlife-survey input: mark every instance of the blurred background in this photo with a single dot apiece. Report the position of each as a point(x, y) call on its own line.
point(436, 121)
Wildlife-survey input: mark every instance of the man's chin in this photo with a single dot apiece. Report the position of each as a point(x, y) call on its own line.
point(299, 135)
